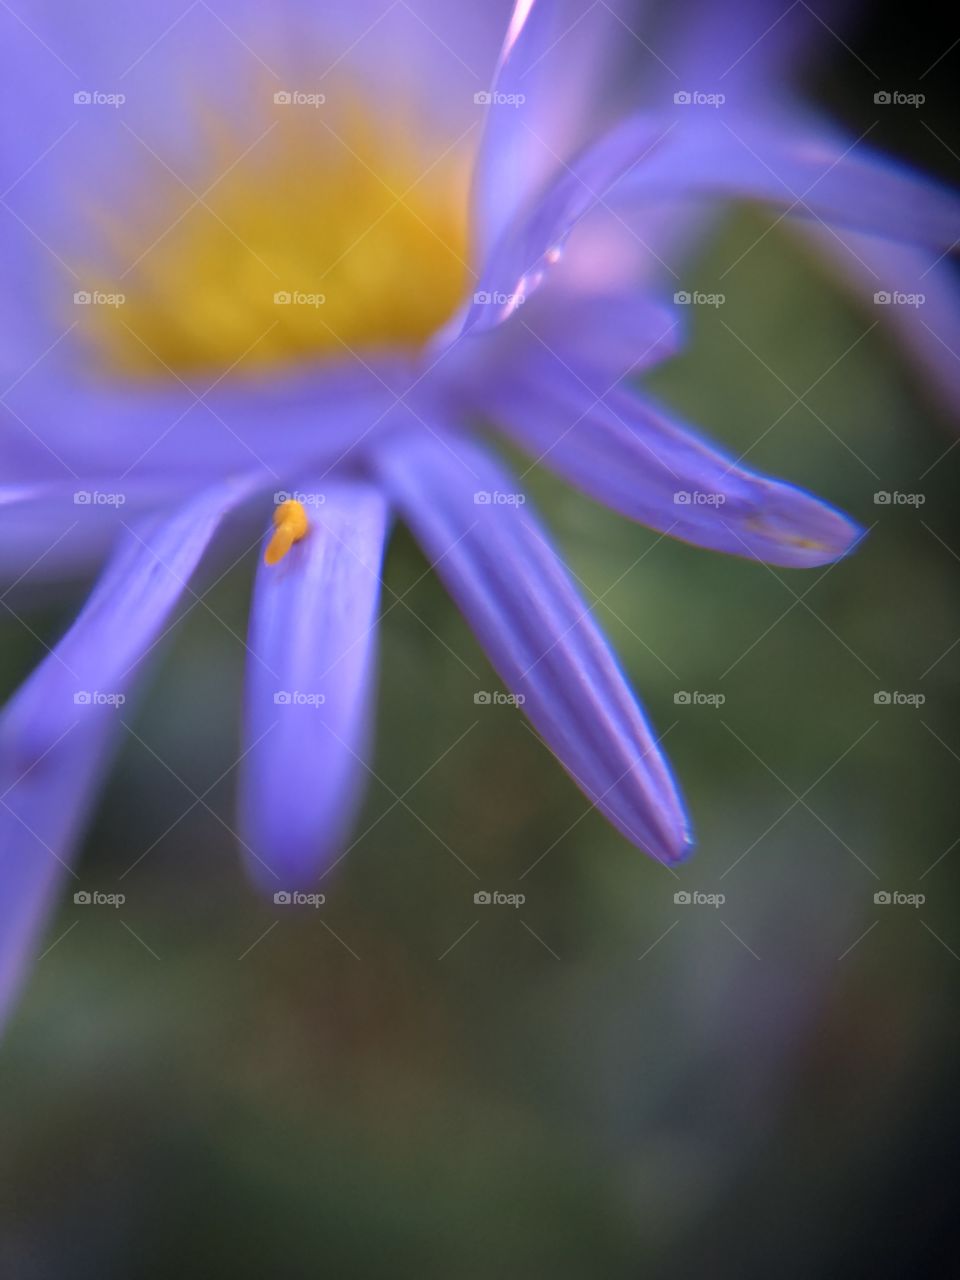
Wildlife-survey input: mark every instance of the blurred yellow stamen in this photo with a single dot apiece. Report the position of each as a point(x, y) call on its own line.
point(290, 524)
point(342, 228)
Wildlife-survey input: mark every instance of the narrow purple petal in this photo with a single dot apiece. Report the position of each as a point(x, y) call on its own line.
point(555, 73)
point(634, 457)
point(649, 158)
point(118, 623)
point(57, 731)
point(42, 813)
point(809, 173)
point(310, 672)
point(595, 339)
point(499, 566)
point(57, 528)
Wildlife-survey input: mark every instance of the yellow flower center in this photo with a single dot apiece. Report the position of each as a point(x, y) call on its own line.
point(334, 231)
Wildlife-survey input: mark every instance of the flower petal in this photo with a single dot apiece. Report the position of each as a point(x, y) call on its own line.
point(63, 527)
point(602, 337)
point(309, 686)
point(654, 157)
point(42, 812)
point(76, 429)
point(552, 80)
point(539, 634)
point(744, 50)
point(57, 731)
point(910, 290)
point(118, 623)
point(631, 455)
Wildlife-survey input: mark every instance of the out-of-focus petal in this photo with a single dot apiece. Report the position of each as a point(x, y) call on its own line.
point(42, 813)
point(595, 339)
point(653, 157)
point(57, 731)
point(557, 72)
point(173, 63)
point(744, 50)
point(912, 292)
point(310, 675)
point(68, 430)
point(809, 173)
point(60, 529)
point(125, 451)
point(123, 614)
point(502, 571)
point(634, 457)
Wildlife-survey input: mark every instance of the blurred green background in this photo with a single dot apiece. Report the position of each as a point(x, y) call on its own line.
point(602, 1082)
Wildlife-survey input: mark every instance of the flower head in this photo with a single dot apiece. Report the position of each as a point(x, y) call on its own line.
point(300, 265)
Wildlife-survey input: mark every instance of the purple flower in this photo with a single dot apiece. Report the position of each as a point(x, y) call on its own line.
point(287, 273)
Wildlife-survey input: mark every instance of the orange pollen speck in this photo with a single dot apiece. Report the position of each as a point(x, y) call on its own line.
point(290, 524)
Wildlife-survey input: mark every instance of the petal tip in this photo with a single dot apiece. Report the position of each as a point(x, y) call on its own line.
point(678, 844)
point(799, 531)
point(663, 831)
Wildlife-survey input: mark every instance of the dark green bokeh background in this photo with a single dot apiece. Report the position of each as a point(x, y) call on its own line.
point(603, 1082)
